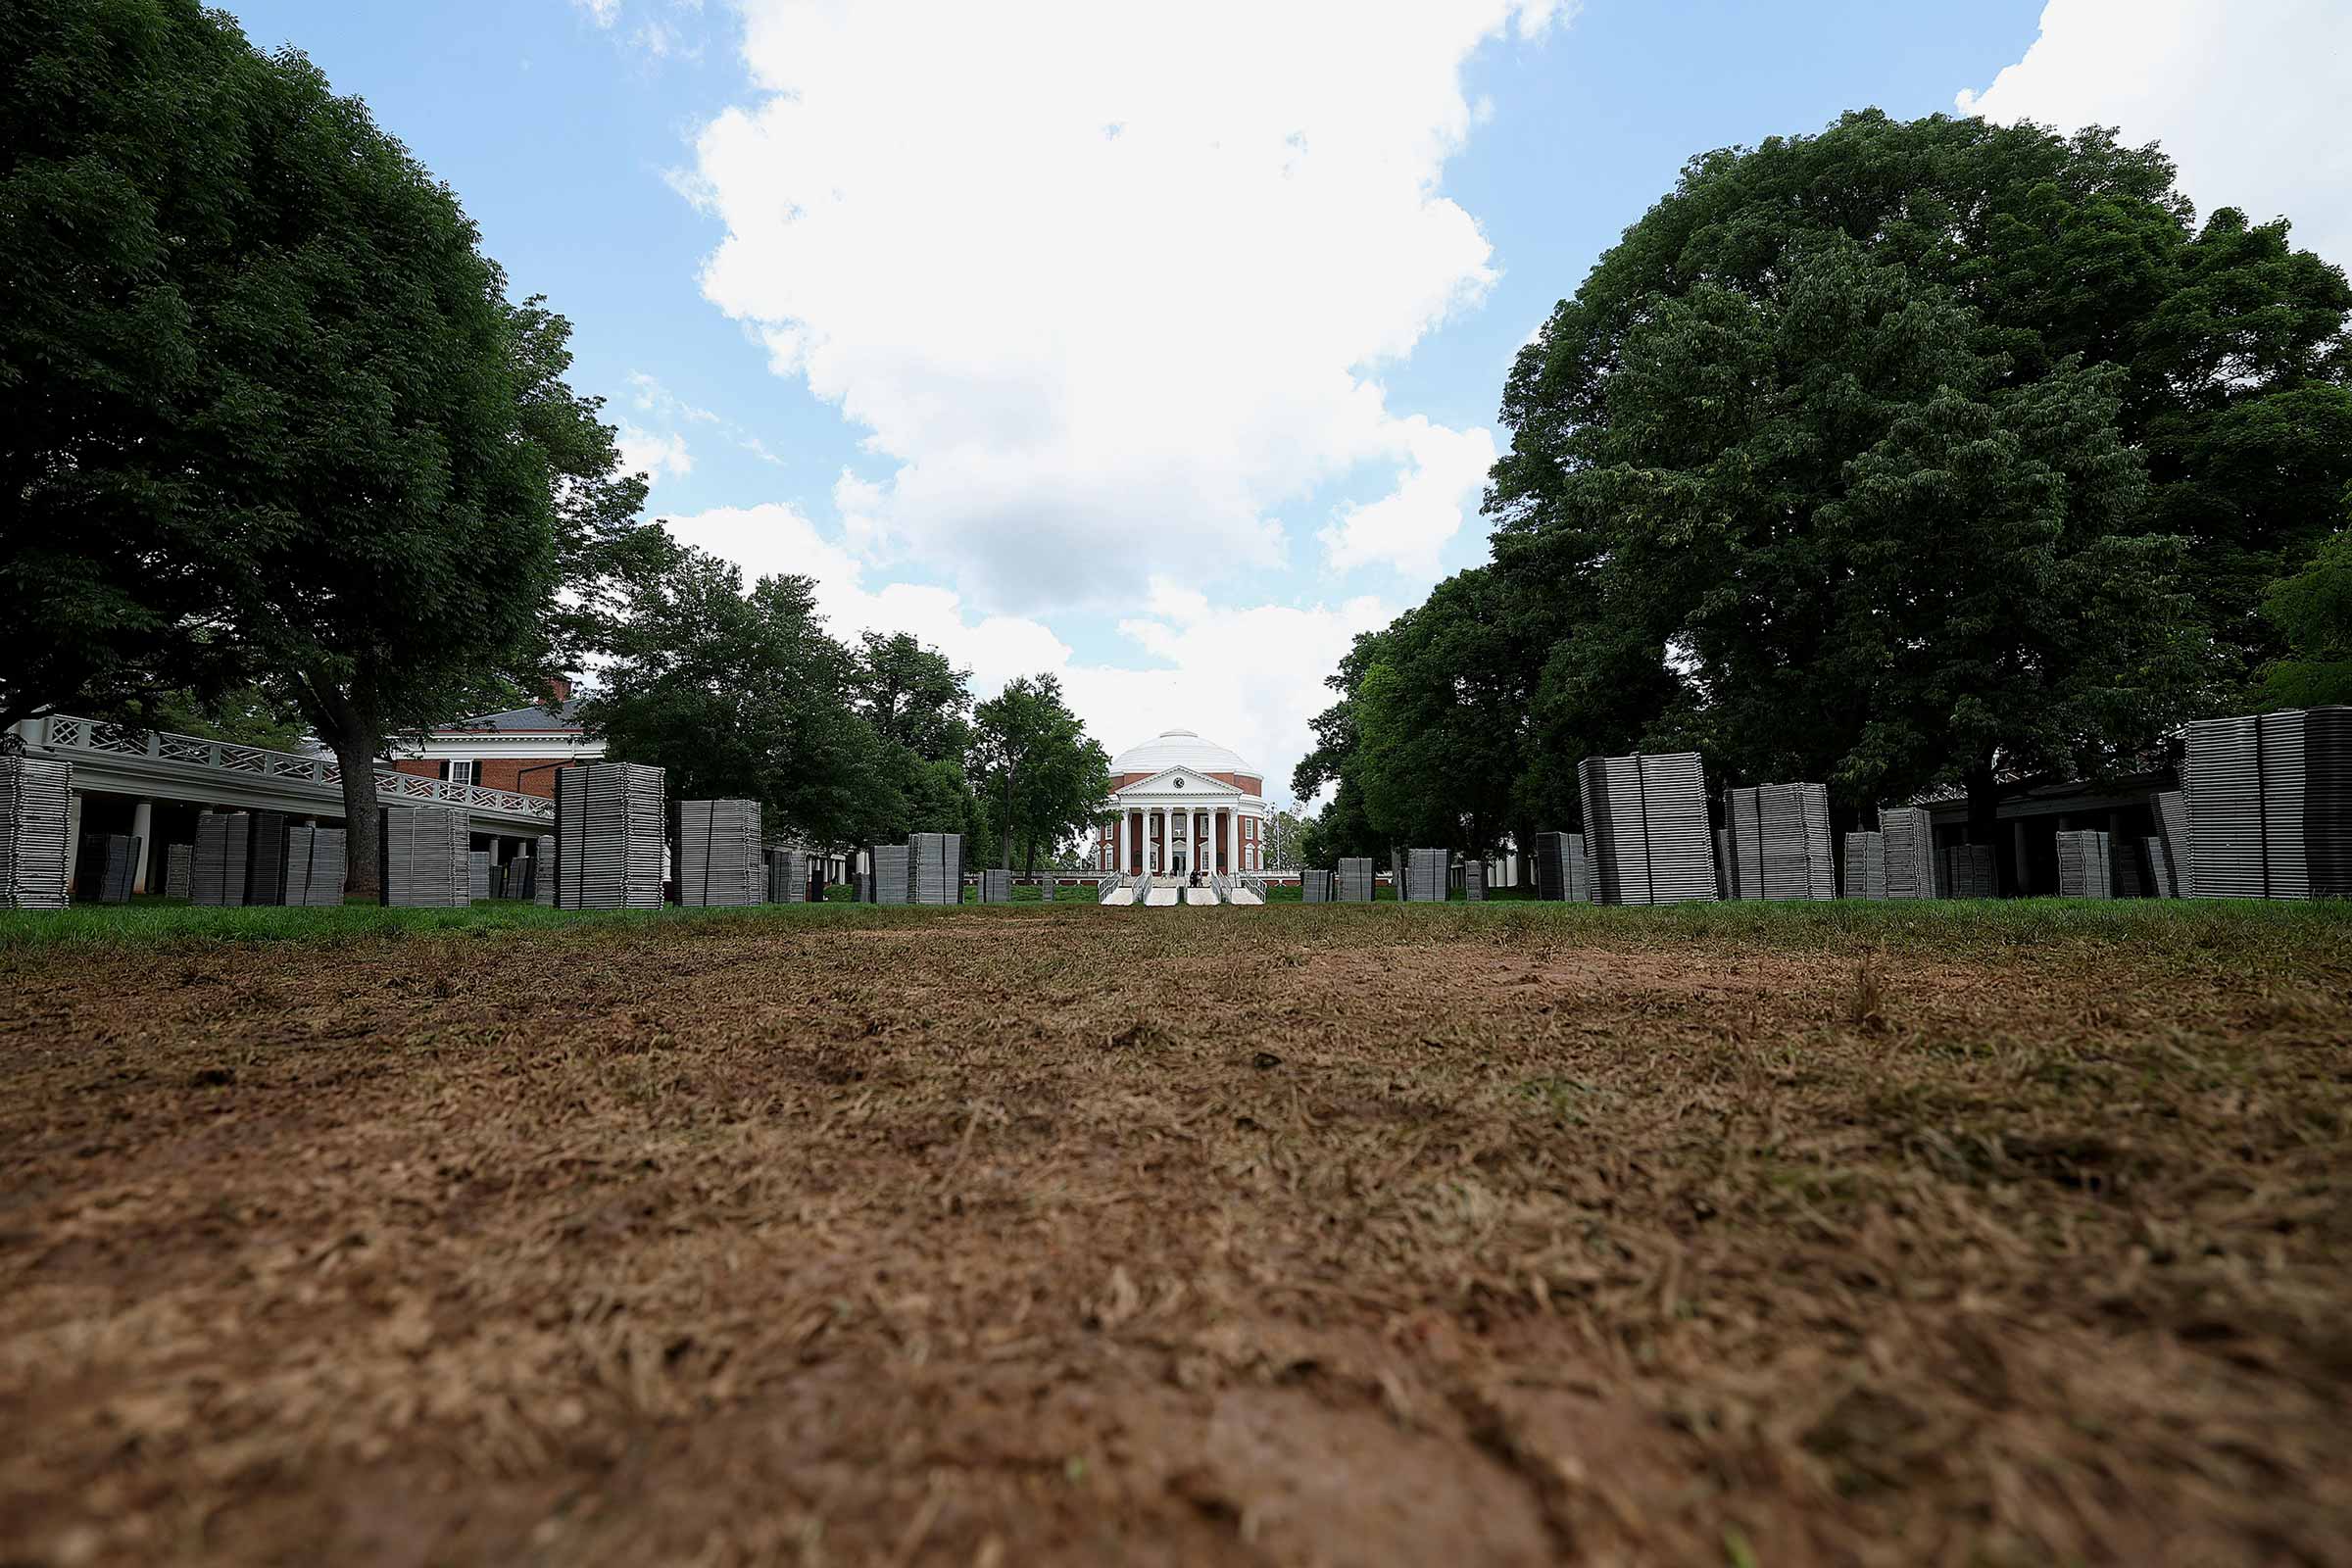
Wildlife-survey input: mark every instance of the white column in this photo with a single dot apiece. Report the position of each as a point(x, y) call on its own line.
point(142, 828)
point(1233, 838)
point(1131, 833)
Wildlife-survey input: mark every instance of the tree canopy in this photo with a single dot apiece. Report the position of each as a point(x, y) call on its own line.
point(1036, 769)
point(742, 694)
point(2313, 612)
point(272, 416)
point(1904, 455)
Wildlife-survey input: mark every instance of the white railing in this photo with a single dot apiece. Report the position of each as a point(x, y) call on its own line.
point(67, 734)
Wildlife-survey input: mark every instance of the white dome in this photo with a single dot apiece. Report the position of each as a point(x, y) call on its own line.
point(1179, 748)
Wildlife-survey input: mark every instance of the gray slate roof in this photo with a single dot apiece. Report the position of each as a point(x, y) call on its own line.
point(538, 716)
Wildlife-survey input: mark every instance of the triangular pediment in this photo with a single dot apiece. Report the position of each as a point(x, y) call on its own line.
point(1196, 785)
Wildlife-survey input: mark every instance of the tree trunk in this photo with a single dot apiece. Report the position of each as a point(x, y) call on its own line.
point(1009, 816)
point(1985, 822)
point(1029, 859)
point(363, 820)
point(354, 736)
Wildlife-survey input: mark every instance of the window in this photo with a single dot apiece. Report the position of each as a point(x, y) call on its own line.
point(466, 773)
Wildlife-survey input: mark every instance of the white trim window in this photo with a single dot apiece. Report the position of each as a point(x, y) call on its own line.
point(465, 771)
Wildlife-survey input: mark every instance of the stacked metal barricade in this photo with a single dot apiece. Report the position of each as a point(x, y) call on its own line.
point(935, 869)
point(1865, 865)
point(1474, 881)
point(2124, 863)
point(718, 861)
point(1778, 842)
point(2160, 870)
point(1909, 839)
point(1314, 886)
point(1423, 879)
point(2083, 871)
point(265, 859)
point(1646, 828)
point(995, 885)
point(35, 793)
point(108, 866)
point(216, 874)
point(478, 876)
point(2270, 806)
point(317, 865)
point(788, 876)
point(1563, 872)
point(2172, 832)
point(608, 822)
point(544, 861)
point(427, 861)
point(1970, 872)
point(1352, 882)
point(890, 873)
point(178, 860)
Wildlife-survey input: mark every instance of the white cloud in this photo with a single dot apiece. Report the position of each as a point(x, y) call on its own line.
point(1248, 677)
point(1407, 527)
point(1106, 282)
point(655, 36)
point(650, 396)
point(657, 455)
point(2247, 97)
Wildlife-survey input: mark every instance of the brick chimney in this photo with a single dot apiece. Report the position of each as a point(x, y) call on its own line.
point(559, 690)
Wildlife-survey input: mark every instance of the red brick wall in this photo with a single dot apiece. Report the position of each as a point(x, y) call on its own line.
point(525, 776)
point(417, 766)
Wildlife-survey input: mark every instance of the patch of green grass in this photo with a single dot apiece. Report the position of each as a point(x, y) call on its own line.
point(2182, 935)
point(164, 923)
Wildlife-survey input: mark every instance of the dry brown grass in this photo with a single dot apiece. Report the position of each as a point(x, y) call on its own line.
point(1284, 1236)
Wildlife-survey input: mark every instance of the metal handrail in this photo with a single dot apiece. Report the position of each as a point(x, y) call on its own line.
point(69, 733)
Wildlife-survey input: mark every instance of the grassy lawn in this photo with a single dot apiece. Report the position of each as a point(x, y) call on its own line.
point(1997, 1234)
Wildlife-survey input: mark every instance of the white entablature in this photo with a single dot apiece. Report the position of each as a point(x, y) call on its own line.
point(1178, 786)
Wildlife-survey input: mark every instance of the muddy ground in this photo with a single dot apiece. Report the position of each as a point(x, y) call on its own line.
point(1285, 1236)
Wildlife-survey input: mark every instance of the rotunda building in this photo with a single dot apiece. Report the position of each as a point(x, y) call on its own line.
point(1180, 804)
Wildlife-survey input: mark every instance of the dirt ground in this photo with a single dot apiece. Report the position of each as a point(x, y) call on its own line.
point(1059, 1235)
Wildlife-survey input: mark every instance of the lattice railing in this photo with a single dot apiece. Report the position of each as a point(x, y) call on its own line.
point(68, 733)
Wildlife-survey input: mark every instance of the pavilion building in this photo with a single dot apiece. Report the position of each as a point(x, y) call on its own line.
point(1180, 804)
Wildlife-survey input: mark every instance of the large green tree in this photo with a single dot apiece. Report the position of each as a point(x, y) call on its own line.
point(913, 695)
point(919, 705)
point(1880, 456)
point(280, 419)
point(1442, 717)
point(741, 694)
point(1037, 766)
point(2236, 365)
point(123, 129)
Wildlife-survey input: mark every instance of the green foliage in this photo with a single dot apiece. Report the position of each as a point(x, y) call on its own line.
point(270, 413)
point(122, 127)
point(1901, 455)
point(743, 695)
point(1285, 840)
point(2313, 612)
point(913, 697)
point(1442, 716)
point(250, 714)
point(1036, 769)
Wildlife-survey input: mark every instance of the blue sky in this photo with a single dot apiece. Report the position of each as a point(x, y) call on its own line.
point(1161, 347)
